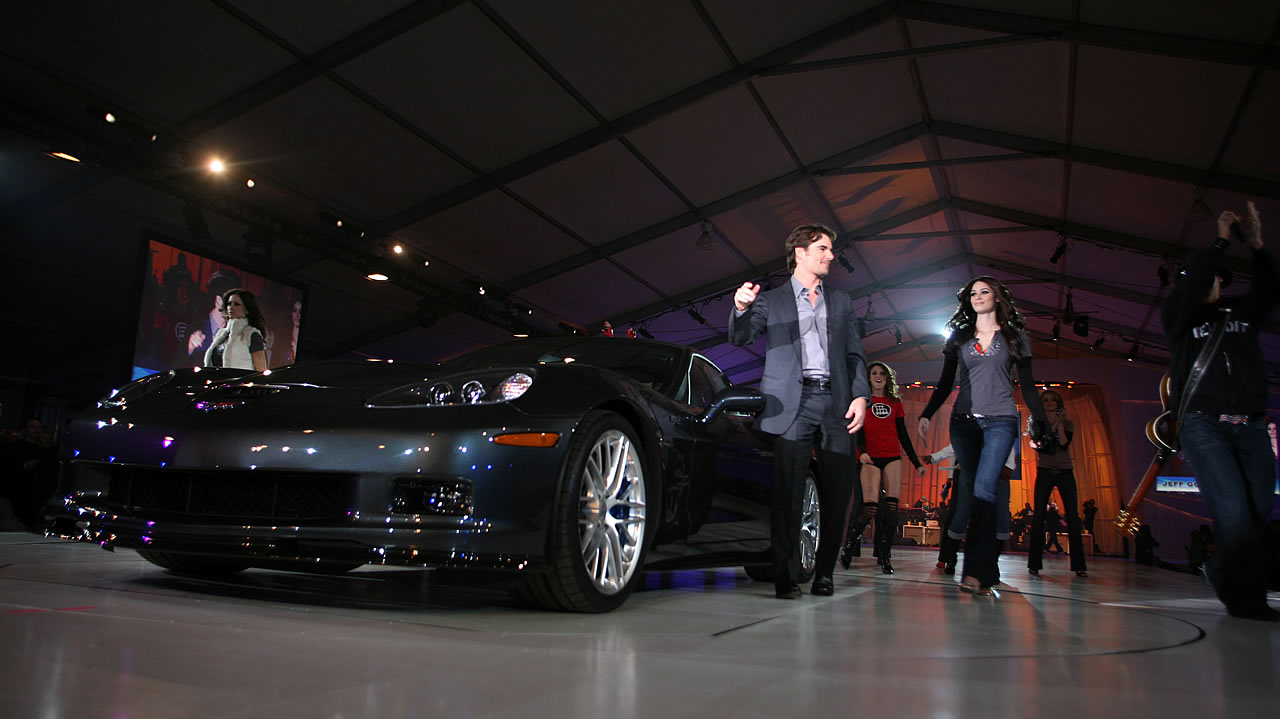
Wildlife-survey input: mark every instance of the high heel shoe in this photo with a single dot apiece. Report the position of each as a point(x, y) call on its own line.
point(1082, 573)
point(1034, 572)
point(852, 548)
point(885, 566)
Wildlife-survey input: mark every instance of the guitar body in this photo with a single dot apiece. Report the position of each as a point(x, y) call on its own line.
point(1163, 433)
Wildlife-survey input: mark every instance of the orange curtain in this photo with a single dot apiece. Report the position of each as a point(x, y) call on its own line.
point(1092, 456)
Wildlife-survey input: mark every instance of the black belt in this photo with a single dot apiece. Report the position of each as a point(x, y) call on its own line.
point(819, 382)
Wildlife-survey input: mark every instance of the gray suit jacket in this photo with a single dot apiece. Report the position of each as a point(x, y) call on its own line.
point(774, 315)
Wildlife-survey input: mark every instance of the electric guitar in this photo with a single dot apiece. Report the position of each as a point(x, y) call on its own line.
point(1162, 431)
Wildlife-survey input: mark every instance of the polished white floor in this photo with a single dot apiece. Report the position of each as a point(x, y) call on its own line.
point(86, 633)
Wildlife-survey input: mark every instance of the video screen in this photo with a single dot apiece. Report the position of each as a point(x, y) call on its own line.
point(1177, 477)
point(181, 309)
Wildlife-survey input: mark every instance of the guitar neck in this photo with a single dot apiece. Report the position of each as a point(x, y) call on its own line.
point(1127, 521)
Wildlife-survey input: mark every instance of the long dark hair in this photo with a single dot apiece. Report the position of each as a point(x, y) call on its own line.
point(964, 322)
point(890, 387)
point(251, 310)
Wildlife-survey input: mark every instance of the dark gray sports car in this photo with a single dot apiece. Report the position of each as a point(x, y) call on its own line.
point(578, 461)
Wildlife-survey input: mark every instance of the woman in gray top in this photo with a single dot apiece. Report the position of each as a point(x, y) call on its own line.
point(988, 341)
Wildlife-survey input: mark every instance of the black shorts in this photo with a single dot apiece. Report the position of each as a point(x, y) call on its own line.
point(882, 462)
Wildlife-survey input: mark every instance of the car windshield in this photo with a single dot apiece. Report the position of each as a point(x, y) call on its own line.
point(657, 365)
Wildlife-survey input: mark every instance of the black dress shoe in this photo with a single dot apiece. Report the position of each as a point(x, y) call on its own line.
point(822, 587)
point(949, 569)
point(886, 566)
point(1260, 612)
point(787, 591)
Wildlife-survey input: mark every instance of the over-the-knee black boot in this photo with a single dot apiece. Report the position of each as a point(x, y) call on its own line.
point(888, 527)
point(853, 539)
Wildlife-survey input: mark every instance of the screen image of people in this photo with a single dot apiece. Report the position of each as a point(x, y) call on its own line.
point(197, 312)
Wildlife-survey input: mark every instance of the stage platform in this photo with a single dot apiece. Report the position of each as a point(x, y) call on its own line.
point(88, 633)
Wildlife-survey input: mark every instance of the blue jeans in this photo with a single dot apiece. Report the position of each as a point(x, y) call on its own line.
point(982, 446)
point(1235, 469)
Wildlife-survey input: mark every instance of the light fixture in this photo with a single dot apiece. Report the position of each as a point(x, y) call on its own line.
point(376, 277)
point(249, 183)
point(110, 118)
point(1163, 273)
point(1133, 352)
point(696, 317)
point(63, 156)
point(705, 242)
point(845, 263)
point(398, 248)
point(1081, 326)
point(216, 165)
point(1057, 331)
point(1097, 343)
point(1060, 251)
point(897, 333)
point(1069, 313)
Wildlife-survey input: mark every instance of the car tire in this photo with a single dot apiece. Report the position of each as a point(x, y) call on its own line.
point(810, 530)
point(194, 565)
point(599, 531)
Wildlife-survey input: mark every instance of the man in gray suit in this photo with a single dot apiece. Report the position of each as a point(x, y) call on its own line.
point(816, 390)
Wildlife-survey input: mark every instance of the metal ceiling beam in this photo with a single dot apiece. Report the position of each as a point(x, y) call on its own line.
point(1047, 275)
point(685, 219)
point(635, 119)
point(1154, 43)
point(1108, 160)
point(1089, 233)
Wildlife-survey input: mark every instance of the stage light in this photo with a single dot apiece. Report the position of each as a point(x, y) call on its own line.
point(696, 317)
point(110, 118)
point(1097, 343)
point(897, 333)
point(63, 156)
point(1133, 352)
point(1057, 331)
point(705, 242)
point(376, 277)
point(1081, 326)
point(845, 263)
point(216, 166)
point(249, 183)
point(398, 248)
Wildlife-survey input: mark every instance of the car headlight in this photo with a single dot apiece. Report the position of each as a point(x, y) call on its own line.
point(484, 387)
point(137, 388)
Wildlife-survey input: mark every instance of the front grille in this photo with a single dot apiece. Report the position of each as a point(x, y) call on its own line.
point(230, 496)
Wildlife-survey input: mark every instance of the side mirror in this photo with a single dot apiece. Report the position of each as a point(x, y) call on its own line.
point(743, 400)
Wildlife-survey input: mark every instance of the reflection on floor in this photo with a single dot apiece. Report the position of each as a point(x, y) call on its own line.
point(87, 633)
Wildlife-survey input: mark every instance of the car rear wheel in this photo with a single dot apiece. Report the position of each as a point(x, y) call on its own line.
point(597, 540)
point(194, 565)
point(810, 527)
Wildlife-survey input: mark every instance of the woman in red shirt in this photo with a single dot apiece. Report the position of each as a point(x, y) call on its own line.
point(880, 445)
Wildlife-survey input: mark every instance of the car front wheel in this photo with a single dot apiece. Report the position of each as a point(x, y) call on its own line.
point(597, 540)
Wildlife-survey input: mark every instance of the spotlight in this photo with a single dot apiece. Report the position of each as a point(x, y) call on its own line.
point(705, 242)
point(1133, 352)
point(249, 183)
point(63, 156)
point(398, 248)
point(1060, 251)
point(110, 118)
point(845, 263)
point(376, 277)
point(216, 166)
point(696, 317)
point(1057, 331)
point(520, 310)
point(897, 333)
point(1081, 326)
point(1163, 273)
point(1097, 343)
point(1069, 313)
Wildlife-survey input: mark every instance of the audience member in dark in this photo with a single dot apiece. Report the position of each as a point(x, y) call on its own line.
point(1089, 513)
point(1052, 525)
point(30, 472)
point(1198, 548)
point(1271, 548)
point(1144, 546)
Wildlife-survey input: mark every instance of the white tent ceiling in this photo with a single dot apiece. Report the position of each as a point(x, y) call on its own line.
point(567, 155)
